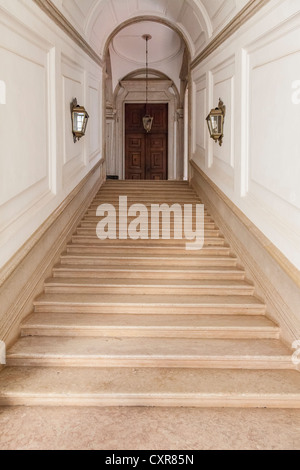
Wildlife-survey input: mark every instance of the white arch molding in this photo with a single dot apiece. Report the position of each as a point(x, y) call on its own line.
point(135, 13)
point(131, 90)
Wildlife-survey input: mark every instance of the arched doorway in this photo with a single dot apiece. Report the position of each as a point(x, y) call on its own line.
point(167, 85)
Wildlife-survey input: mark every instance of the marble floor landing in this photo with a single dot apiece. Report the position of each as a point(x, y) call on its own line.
point(133, 428)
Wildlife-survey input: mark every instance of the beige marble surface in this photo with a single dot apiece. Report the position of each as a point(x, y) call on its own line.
point(88, 382)
point(148, 428)
point(147, 348)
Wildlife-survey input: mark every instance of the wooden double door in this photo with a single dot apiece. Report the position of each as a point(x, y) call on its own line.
point(146, 154)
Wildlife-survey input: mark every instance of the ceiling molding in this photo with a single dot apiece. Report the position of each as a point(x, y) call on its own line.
point(154, 63)
point(156, 19)
point(252, 7)
point(50, 9)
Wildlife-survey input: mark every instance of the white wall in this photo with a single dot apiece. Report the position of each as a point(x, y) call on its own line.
point(257, 75)
point(41, 71)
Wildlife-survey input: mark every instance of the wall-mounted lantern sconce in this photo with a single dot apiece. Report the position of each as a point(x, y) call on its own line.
point(215, 122)
point(79, 120)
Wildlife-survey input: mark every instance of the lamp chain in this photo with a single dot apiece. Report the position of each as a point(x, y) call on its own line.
point(147, 39)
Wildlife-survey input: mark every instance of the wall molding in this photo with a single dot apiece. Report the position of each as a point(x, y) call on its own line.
point(7, 270)
point(249, 10)
point(50, 9)
point(276, 280)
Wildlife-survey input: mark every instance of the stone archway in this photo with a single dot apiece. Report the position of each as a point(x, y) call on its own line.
point(164, 87)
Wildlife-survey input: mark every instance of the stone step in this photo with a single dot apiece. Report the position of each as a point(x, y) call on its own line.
point(164, 326)
point(145, 304)
point(147, 188)
point(151, 190)
point(91, 231)
point(91, 212)
point(67, 386)
point(215, 246)
point(148, 198)
point(208, 226)
point(146, 183)
point(147, 203)
point(149, 352)
point(92, 218)
point(90, 235)
point(147, 286)
point(128, 242)
point(84, 245)
point(139, 188)
point(147, 272)
point(177, 261)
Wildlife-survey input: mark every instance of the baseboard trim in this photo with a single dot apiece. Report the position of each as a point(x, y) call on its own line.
point(24, 275)
point(257, 255)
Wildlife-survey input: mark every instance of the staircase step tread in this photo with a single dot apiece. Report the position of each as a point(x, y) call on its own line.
point(94, 240)
point(148, 199)
point(156, 269)
point(145, 386)
point(40, 347)
point(159, 283)
point(201, 322)
point(148, 256)
point(210, 246)
point(148, 299)
point(92, 236)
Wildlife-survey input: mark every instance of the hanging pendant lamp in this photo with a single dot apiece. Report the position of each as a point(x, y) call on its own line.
point(147, 119)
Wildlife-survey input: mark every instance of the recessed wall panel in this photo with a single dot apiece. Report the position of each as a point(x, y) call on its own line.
point(274, 128)
point(24, 123)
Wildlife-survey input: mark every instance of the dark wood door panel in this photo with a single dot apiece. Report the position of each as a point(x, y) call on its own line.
point(157, 176)
point(157, 156)
point(135, 156)
point(134, 118)
point(160, 117)
point(146, 154)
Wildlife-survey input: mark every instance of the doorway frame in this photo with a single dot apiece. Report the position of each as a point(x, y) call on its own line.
point(160, 91)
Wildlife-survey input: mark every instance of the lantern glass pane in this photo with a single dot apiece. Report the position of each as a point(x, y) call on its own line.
point(84, 124)
point(220, 124)
point(78, 122)
point(209, 125)
point(215, 124)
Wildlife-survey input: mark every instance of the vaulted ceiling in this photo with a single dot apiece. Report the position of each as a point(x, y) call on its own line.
point(128, 51)
point(197, 21)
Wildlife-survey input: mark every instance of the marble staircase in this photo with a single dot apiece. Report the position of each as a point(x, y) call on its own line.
point(148, 323)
